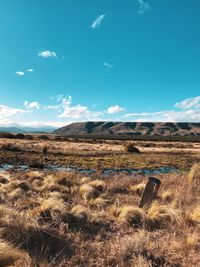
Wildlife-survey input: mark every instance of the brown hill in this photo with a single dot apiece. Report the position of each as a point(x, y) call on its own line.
point(131, 128)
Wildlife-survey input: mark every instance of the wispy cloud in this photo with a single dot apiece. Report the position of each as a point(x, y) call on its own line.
point(193, 102)
point(167, 116)
point(30, 70)
point(32, 105)
point(108, 65)
point(52, 107)
point(97, 22)
point(19, 73)
point(143, 6)
point(189, 112)
point(115, 109)
point(47, 54)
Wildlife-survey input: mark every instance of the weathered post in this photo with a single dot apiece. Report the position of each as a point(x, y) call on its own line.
point(150, 191)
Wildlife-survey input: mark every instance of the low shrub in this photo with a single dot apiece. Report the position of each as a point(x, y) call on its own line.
point(131, 148)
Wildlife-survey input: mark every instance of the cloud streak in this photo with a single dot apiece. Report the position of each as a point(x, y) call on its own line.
point(189, 112)
point(47, 54)
point(108, 65)
point(97, 22)
point(19, 73)
point(32, 105)
point(188, 103)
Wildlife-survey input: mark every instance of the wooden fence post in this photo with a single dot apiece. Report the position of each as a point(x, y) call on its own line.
point(150, 191)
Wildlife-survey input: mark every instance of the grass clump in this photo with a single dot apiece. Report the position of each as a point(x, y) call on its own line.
point(10, 255)
point(138, 188)
point(194, 173)
point(194, 216)
point(100, 202)
point(85, 180)
point(167, 196)
point(160, 216)
point(132, 215)
point(88, 192)
point(98, 185)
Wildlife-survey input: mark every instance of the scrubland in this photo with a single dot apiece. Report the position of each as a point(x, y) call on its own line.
point(68, 219)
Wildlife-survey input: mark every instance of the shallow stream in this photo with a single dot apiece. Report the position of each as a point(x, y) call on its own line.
point(161, 170)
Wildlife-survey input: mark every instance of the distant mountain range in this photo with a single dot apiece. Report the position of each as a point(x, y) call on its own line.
point(131, 128)
point(19, 129)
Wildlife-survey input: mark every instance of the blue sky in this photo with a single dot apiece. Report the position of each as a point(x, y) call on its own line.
point(74, 60)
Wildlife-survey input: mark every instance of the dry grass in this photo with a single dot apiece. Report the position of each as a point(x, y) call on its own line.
point(138, 188)
point(194, 216)
point(162, 215)
point(167, 196)
point(88, 192)
point(194, 173)
point(64, 219)
point(133, 215)
point(10, 255)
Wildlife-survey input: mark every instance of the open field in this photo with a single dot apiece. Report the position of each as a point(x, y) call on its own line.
point(54, 218)
point(98, 155)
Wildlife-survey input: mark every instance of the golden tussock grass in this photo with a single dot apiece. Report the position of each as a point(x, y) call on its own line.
point(160, 215)
point(80, 211)
point(194, 174)
point(88, 192)
point(50, 209)
point(101, 201)
point(191, 241)
point(167, 196)
point(132, 215)
point(98, 185)
point(4, 178)
point(138, 188)
point(114, 210)
point(10, 255)
point(194, 216)
point(85, 180)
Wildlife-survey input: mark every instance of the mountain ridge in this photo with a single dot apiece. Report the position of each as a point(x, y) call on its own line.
point(130, 128)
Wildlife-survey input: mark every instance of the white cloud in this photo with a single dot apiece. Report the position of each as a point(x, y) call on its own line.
point(30, 70)
point(115, 109)
point(20, 73)
point(77, 111)
point(188, 103)
point(32, 105)
point(97, 22)
point(47, 54)
point(108, 65)
point(6, 111)
point(143, 6)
